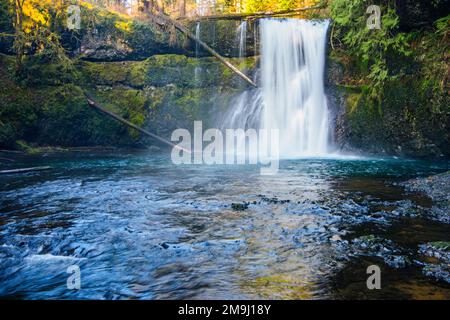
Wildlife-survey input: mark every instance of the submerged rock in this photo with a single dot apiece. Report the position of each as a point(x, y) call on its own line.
point(273, 200)
point(439, 250)
point(436, 260)
point(371, 245)
point(438, 189)
point(239, 206)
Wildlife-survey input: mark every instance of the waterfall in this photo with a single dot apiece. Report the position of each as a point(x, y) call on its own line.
point(242, 39)
point(292, 94)
point(256, 37)
point(197, 51)
point(293, 63)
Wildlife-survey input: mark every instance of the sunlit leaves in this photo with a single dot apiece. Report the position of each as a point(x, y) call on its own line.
point(36, 23)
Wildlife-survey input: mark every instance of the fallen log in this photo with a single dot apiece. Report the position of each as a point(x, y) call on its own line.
point(24, 170)
point(96, 106)
point(167, 20)
point(253, 15)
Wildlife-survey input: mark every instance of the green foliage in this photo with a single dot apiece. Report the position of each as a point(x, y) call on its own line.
point(395, 81)
point(443, 25)
point(276, 5)
point(375, 49)
point(6, 26)
point(49, 108)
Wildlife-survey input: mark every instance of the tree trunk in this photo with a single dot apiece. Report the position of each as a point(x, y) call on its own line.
point(168, 21)
point(255, 15)
point(94, 105)
point(19, 40)
point(24, 170)
point(182, 8)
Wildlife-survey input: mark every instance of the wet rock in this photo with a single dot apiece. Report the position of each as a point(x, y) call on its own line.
point(439, 250)
point(375, 246)
point(438, 189)
point(273, 200)
point(336, 238)
point(440, 272)
point(164, 245)
point(240, 206)
point(436, 260)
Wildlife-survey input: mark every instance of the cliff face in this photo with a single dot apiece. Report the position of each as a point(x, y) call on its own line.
point(131, 67)
point(162, 93)
point(389, 88)
point(412, 118)
point(141, 40)
point(138, 71)
point(105, 36)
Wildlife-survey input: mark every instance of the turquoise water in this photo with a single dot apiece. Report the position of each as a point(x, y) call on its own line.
point(141, 228)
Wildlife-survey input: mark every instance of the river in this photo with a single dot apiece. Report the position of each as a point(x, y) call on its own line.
point(139, 227)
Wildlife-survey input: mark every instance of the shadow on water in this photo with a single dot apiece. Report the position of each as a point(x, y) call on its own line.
point(141, 228)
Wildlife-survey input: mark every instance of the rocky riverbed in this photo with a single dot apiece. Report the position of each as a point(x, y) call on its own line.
point(438, 189)
point(435, 255)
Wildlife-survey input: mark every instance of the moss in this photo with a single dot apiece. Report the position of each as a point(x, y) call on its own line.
point(23, 146)
point(115, 73)
point(353, 102)
point(18, 115)
point(440, 245)
point(180, 70)
point(163, 70)
point(129, 103)
point(138, 73)
point(160, 93)
point(42, 73)
point(412, 116)
point(190, 103)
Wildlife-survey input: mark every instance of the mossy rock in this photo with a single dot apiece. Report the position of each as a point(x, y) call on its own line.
point(440, 245)
point(132, 74)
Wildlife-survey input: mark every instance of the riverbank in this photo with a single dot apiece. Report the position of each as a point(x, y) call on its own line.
point(436, 255)
point(438, 189)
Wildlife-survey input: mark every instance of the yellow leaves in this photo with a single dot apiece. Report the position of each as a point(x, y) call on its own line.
point(87, 5)
point(275, 5)
point(123, 25)
point(35, 14)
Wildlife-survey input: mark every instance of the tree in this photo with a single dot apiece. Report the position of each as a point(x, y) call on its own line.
point(35, 22)
point(182, 6)
point(20, 41)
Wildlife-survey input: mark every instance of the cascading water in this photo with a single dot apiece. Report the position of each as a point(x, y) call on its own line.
point(197, 51)
point(242, 39)
point(293, 60)
point(292, 98)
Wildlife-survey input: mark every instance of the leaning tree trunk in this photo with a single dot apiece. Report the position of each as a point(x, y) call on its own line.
point(255, 15)
point(166, 20)
point(95, 105)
